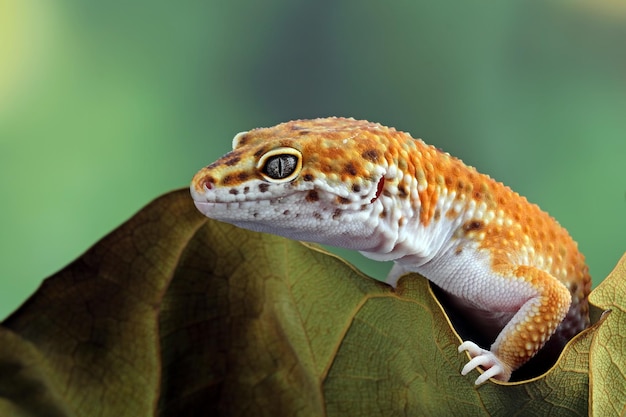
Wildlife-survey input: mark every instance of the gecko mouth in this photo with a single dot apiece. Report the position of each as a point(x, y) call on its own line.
point(210, 200)
point(212, 208)
point(238, 196)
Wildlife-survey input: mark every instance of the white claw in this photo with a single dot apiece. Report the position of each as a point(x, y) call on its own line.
point(492, 372)
point(481, 357)
point(472, 348)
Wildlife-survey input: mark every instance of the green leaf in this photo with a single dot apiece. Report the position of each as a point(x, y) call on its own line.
point(608, 367)
point(175, 314)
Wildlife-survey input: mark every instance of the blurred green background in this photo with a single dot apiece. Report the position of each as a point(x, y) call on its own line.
point(106, 105)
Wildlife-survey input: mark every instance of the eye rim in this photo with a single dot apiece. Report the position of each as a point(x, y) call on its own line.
point(267, 157)
point(237, 139)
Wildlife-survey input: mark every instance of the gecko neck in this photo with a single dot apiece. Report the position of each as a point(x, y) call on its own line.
point(410, 242)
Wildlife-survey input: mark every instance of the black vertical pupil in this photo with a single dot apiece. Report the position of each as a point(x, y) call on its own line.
point(280, 166)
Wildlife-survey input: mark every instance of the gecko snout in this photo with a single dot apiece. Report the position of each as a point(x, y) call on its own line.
point(202, 182)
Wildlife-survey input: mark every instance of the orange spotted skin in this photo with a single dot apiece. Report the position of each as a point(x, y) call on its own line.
point(418, 206)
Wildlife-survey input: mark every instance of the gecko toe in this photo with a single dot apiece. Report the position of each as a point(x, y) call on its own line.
point(470, 347)
point(494, 368)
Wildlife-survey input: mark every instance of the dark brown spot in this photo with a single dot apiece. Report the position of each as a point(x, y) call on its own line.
point(350, 169)
point(255, 215)
point(458, 250)
point(307, 177)
point(263, 187)
point(234, 160)
point(286, 212)
point(402, 191)
point(437, 215)
point(383, 214)
point(473, 225)
point(233, 191)
point(312, 196)
point(343, 200)
point(371, 155)
point(228, 179)
point(246, 190)
point(243, 176)
point(356, 188)
point(242, 140)
point(317, 215)
point(337, 213)
point(259, 152)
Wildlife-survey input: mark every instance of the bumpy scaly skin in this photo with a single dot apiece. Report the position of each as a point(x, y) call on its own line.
point(355, 184)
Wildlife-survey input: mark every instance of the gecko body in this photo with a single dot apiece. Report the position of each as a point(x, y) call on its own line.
point(506, 264)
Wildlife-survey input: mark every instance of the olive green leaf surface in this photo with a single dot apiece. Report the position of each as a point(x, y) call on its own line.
point(607, 372)
point(173, 314)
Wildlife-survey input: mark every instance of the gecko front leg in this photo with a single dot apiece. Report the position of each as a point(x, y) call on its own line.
point(527, 331)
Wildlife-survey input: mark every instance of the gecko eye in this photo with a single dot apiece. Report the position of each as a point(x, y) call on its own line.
point(280, 165)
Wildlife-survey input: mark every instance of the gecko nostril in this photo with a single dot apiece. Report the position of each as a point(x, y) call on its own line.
point(209, 184)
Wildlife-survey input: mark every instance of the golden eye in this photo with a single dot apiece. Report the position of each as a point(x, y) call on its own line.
point(280, 165)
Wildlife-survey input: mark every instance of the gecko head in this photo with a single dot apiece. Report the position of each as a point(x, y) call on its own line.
point(318, 180)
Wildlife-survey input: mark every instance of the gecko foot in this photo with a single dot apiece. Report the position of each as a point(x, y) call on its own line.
point(494, 368)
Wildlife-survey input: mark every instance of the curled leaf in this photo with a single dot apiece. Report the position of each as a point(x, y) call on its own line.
point(607, 371)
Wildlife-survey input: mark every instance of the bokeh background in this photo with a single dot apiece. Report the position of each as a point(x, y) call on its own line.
point(105, 105)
